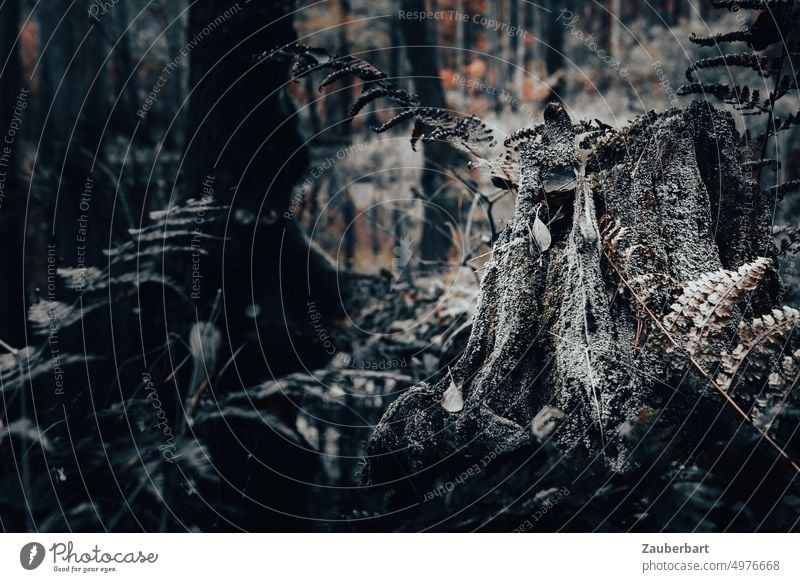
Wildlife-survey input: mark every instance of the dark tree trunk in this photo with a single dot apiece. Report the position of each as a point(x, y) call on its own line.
point(12, 204)
point(441, 207)
point(125, 80)
point(553, 48)
point(242, 132)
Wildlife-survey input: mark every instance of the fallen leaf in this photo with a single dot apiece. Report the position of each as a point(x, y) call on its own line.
point(541, 234)
point(452, 399)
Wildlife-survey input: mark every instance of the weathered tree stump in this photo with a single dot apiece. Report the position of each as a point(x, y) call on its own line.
point(559, 348)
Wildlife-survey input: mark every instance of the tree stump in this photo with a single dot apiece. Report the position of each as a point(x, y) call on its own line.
point(560, 349)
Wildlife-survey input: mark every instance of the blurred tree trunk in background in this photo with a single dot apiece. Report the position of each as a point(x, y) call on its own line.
point(441, 207)
point(615, 42)
point(461, 53)
point(175, 33)
point(499, 51)
point(343, 94)
point(343, 99)
point(12, 203)
point(517, 68)
point(242, 131)
point(74, 100)
point(125, 80)
point(61, 33)
point(553, 47)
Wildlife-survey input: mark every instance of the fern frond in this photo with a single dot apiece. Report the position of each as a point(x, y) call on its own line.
point(735, 5)
point(513, 141)
point(764, 66)
point(470, 134)
point(417, 133)
point(707, 304)
point(735, 36)
point(350, 66)
point(740, 97)
point(762, 342)
point(782, 124)
point(790, 243)
point(395, 121)
point(332, 78)
point(720, 388)
point(394, 94)
point(782, 189)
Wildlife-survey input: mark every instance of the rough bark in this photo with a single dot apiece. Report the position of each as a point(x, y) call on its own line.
point(553, 340)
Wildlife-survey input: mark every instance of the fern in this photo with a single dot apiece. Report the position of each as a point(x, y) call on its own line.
point(398, 95)
point(401, 117)
point(350, 66)
point(707, 41)
point(774, 25)
point(787, 239)
point(470, 133)
point(781, 190)
point(708, 303)
point(784, 124)
point(740, 97)
point(735, 5)
point(762, 342)
point(512, 142)
point(430, 124)
point(774, 325)
point(764, 66)
point(417, 133)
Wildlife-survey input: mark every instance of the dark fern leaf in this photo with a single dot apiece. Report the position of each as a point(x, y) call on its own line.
point(468, 133)
point(735, 36)
point(784, 124)
point(307, 58)
point(295, 50)
point(770, 163)
point(351, 67)
point(782, 189)
point(436, 117)
point(521, 135)
point(742, 98)
point(764, 66)
point(333, 77)
point(736, 5)
point(787, 239)
point(394, 94)
point(395, 121)
point(417, 133)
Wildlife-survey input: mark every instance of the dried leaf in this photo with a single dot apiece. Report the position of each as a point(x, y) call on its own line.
point(541, 234)
point(546, 421)
point(452, 399)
